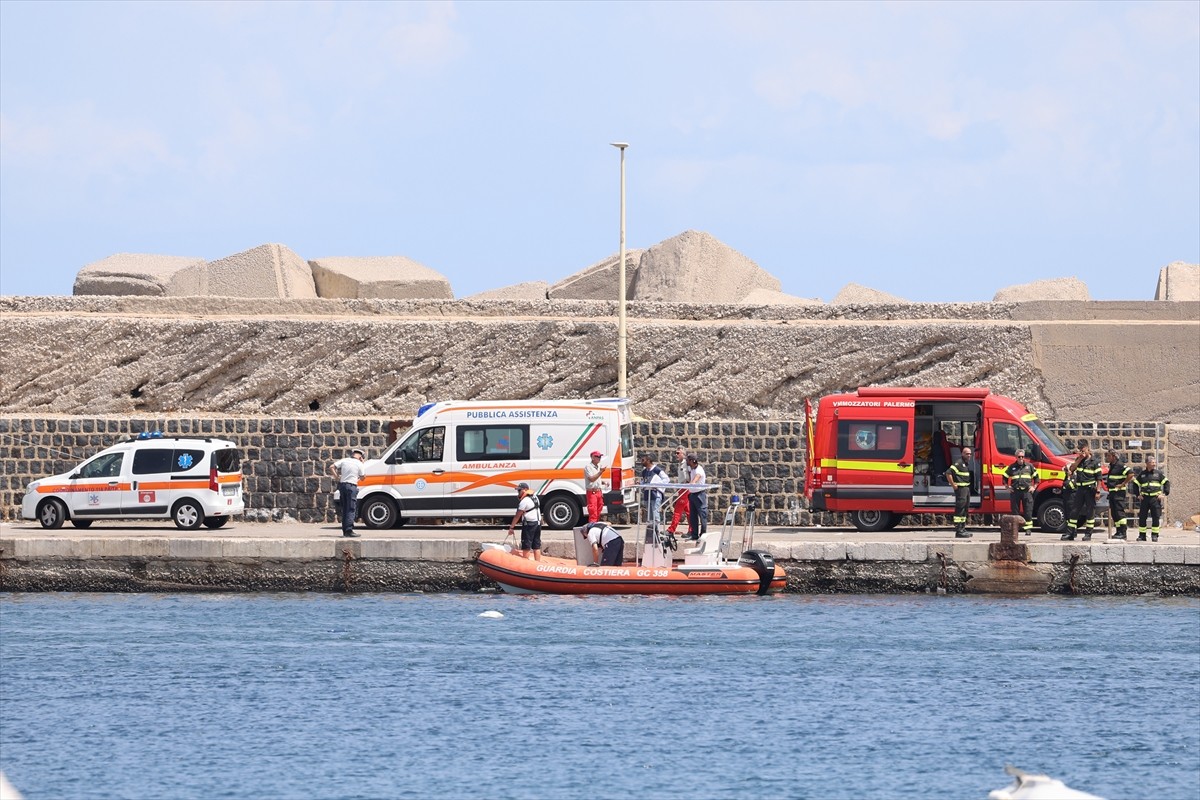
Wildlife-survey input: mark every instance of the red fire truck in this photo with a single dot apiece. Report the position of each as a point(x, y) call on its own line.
point(880, 453)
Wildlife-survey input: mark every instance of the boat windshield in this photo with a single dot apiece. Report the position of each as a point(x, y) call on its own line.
point(1048, 438)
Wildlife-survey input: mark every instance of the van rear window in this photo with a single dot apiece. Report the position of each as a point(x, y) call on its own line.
point(152, 461)
point(228, 460)
point(872, 439)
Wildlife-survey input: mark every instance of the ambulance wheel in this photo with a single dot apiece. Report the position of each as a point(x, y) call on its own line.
point(871, 521)
point(379, 512)
point(215, 522)
point(81, 523)
point(187, 515)
point(1052, 516)
point(52, 513)
point(561, 511)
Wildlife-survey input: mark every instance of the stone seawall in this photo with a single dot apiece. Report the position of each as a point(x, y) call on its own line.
point(115, 563)
point(286, 459)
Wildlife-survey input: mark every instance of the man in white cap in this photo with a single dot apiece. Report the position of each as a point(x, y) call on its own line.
point(348, 471)
point(593, 486)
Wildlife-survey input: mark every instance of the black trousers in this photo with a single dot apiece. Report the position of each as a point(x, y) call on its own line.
point(1021, 502)
point(1150, 507)
point(1116, 509)
point(1083, 508)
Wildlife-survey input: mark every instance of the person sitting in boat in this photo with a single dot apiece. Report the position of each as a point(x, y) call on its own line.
point(529, 514)
point(608, 548)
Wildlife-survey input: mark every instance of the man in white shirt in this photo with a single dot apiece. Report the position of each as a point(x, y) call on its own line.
point(593, 486)
point(529, 514)
point(348, 471)
point(697, 500)
point(608, 548)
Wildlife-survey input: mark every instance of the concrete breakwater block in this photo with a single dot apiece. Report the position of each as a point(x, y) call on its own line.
point(141, 274)
point(1053, 289)
point(1178, 281)
point(269, 270)
point(389, 277)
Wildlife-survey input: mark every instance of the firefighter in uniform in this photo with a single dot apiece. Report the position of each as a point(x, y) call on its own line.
point(1022, 479)
point(1151, 484)
point(1085, 479)
point(1117, 482)
point(961, 476)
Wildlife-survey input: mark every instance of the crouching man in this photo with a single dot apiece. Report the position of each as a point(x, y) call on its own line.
point(608, 548)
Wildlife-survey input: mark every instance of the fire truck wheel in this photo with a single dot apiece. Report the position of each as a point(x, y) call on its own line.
point(1052, 516)
point(871, 521)
point(894, 521)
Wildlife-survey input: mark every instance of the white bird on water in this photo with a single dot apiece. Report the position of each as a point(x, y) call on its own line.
point(492, 615)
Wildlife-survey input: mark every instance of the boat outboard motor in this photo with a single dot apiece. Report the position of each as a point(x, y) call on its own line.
point(763, 563)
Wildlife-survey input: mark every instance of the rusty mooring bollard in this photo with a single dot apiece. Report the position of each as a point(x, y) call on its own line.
point(1007, 570)
point(1009, 547)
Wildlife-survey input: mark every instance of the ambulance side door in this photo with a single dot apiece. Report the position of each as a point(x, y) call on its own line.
point(150, 490)
point(418, 472)
point(96, 488)
point(875, 457)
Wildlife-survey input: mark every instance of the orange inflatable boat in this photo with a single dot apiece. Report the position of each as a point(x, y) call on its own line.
point(755, 572)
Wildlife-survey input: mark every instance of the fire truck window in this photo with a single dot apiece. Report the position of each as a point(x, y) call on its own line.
point(870, 439)
point(1010, 438)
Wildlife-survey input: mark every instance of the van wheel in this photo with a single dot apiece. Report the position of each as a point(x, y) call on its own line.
point(561, 512)
point(379, 512)
point(187, 515)
point(52, 513)
point(1052, 516)
point(81, 523)
point(215, 522)
point(871, 521)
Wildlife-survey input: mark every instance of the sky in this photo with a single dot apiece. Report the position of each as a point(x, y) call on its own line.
point(936, 151)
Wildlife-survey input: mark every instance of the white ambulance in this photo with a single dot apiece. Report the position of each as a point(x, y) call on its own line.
point(192, 481)
point(464, 459)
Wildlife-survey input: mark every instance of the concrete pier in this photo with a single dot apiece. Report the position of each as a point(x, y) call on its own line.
point(245, 557)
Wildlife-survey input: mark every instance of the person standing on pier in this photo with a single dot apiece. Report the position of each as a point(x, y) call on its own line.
point(682, 475)
point(961, 476)
point(1117, 482)
point(1084, 475)
point(1151, 485)
point(348, 472)
point(593, 486)
point(698, 502)
point(1022, 480)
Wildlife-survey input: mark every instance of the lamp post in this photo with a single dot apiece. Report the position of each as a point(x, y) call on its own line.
point(621, 388)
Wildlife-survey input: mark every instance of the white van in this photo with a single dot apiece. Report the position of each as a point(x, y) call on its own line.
point(464, 459)
point(190, 480)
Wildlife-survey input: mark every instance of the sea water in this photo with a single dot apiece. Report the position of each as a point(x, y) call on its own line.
point(411, 696)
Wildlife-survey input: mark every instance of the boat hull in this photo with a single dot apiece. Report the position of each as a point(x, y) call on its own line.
point(560, 576)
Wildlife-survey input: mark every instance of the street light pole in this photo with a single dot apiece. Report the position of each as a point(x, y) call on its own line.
point(621, 337)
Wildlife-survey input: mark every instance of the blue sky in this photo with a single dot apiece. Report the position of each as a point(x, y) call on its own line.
point(937, 151)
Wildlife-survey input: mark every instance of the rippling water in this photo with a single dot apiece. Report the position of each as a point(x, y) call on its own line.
point(320, 696)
